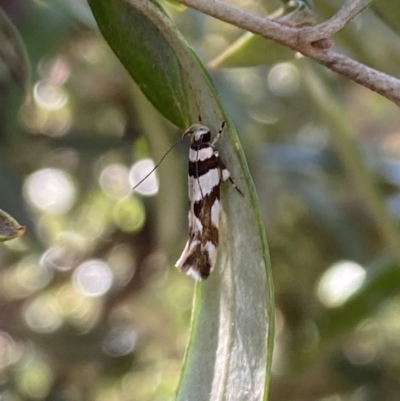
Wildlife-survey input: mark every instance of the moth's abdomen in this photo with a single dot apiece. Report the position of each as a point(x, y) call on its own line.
point(198, 260)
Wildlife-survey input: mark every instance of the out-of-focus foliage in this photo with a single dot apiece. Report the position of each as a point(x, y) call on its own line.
point(91, 308)
point(12, 53)
point(389, 12)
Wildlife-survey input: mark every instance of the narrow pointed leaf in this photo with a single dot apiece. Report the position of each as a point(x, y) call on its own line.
point(230, 348)
point(9, 227)
point(252, 50)
point(145, 53)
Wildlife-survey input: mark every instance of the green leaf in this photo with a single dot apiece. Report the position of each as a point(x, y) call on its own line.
point(13, 53)
point(146, 54)
point(11, 197)
point(252, 50)
point(9, 227)
point(230, 348)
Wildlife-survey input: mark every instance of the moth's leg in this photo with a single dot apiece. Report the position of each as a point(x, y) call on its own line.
point(225, 173)
point(219, 134)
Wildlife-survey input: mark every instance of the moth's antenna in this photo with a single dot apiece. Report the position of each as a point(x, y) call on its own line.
point(152, 171)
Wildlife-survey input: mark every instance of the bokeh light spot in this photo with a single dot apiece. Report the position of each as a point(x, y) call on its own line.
point(49, 96)
point(50, 190)
point(93, 278)
point(9, 352)
point(31, 275)
point(111, 121)
point(62, 257)
point(283, 79)
point(120, 341)
point(79, 310)
point(339, 282)
point(55, 70)
point(42, 315)
point(114, 181)
point(129, 214)
point(138, 171)
point(35, 379)
point(123, 262)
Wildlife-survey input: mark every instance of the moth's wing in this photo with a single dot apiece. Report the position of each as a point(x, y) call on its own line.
point(187, 262)
point(206, 212)
point(200, 253)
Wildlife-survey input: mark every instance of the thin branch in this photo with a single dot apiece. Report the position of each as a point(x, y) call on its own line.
point(263, 26)
point(328, 28)
point(377, 81)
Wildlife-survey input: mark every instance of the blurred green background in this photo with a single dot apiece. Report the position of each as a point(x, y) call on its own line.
point(91, 307)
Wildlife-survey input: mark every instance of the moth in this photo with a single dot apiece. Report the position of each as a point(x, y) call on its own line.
point(206, 172)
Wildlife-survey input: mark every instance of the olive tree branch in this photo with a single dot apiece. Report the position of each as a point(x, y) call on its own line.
point(328, 28)
point(310, 41)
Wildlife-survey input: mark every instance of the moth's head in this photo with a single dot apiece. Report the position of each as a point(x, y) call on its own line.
point(199, 133)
